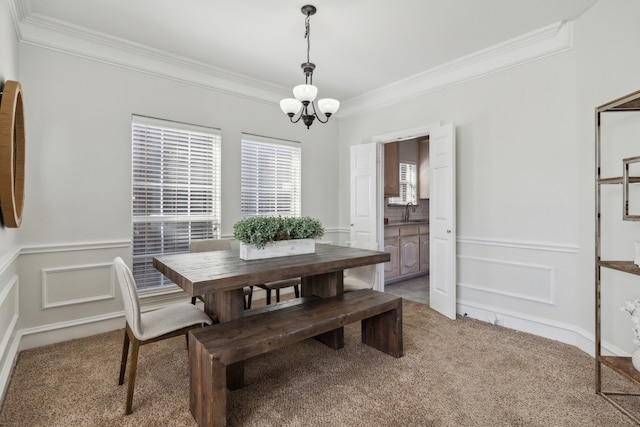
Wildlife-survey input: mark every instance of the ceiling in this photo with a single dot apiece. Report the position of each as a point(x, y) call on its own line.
point(357, 45)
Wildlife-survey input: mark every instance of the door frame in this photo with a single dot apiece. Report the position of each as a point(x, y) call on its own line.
point(382, 139)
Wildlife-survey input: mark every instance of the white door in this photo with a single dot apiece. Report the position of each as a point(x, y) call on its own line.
point(363, 192)
point(442, 220)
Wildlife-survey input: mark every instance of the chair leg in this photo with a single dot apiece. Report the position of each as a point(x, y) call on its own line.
point(193, 300)
point(268, 296)
point(250, 297)
point(133, 366)
point(125, 353)
point(296, 290)
point(278, 295)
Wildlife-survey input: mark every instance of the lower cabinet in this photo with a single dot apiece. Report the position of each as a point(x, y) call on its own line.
point(408, 247)
point(409, 255)
point(392, 268)
point(424, 252)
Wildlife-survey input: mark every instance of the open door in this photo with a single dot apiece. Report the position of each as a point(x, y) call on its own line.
point(363, 192)
point(442, 220)
point(363, 197)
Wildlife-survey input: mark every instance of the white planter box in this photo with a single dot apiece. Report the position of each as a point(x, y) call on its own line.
point(277, 249)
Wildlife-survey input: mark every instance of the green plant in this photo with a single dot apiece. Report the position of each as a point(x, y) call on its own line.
point(261, 230)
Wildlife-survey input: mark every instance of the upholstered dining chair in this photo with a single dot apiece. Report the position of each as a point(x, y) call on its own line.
point(361, 277)
point(209, 245)
point(281, 284)
point(145, 328)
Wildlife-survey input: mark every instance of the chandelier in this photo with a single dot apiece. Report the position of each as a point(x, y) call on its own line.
point(305, 95)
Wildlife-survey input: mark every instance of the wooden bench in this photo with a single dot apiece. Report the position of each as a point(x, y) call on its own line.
point(213, 348)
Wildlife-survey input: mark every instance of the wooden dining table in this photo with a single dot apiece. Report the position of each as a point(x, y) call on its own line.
point(220, 277)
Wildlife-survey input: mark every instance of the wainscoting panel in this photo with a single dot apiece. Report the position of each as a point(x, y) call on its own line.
point(68, 291)
point(9, 312)
point(79, 284)
point(9, 307)
point(513, 279)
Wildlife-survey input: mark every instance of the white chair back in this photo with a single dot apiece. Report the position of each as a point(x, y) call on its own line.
point(210, 245)
point(130, 296)
point(361, 277)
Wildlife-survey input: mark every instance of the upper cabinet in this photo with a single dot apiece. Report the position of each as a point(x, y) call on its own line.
point(391, 170)
point(423, 168)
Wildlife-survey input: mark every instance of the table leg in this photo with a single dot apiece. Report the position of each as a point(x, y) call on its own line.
point(227, 306)
point(326, 285)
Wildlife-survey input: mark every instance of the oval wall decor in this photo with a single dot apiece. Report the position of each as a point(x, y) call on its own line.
point(12, 154)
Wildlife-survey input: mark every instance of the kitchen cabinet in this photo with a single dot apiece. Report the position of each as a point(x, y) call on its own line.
point(606, 223)
point(409, 255)
point(423, 168)
point(408, 246)
point(391, 169)
point(424, 252)
point(392, 268)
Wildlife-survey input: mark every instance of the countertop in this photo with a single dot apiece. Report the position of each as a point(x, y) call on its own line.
point(410, 222)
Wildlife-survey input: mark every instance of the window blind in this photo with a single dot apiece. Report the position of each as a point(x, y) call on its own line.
point(408, 185)
point(270, 177)
point(175, 191)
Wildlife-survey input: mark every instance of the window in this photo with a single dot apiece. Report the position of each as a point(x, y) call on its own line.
point(408, 185)
point(270, 177)
point(175, 191)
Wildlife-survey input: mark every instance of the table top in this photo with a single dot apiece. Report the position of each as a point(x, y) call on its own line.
point(205, 272)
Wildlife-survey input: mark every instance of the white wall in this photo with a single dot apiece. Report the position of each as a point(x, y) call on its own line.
point(608, 68)
point(77, 217)
point(525, 179)
point(524, 175)
point(9, 283)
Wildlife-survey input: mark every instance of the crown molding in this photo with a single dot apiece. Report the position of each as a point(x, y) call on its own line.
point(37, 30)
point(535, 45)
point(40, 31)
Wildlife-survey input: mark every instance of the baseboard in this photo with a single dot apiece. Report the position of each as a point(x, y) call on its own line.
point(558, 331)
point(6, 370)
point(64, 331)
point(37, 337)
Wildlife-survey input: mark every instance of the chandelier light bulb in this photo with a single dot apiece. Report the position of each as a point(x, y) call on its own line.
point(290, 106)
point(305, 93)
point(328, 106)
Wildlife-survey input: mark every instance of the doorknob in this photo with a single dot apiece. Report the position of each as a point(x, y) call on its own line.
point(448, 231)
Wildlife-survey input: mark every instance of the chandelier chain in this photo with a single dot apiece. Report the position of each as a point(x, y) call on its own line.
point(307, 35)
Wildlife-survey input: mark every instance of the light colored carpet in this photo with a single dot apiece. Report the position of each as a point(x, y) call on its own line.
point(454, 373)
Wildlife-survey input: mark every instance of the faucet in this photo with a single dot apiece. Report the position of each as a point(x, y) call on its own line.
point(406, 212)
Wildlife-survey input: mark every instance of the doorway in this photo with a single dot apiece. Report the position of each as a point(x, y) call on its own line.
point(406, 217)
point(442, 208)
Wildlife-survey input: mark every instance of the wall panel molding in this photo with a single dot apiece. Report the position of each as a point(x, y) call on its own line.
point(9, 346)
point(7, 260)
point(70, 247)
point(520, 244)
point(507, 278)
point(12, 286)
point(73, 276)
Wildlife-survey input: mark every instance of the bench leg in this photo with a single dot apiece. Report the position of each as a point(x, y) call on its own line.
point(207, 388)
point(384, 332)
point(326, 285)
point(228, 306)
